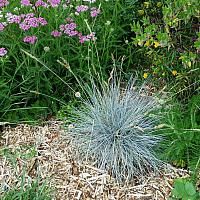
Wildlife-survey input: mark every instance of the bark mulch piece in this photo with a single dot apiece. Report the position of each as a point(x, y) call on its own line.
point(46, 152)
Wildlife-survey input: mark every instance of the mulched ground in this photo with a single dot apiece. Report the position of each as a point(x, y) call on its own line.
point(47, 152)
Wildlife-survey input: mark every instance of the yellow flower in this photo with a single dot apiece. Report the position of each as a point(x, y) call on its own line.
point(145, 75)
point(181, 57)
point(147, 43)
point(156, 44)
point(146, 4)
point(141, 12)
point(159, 4)
point(174, 72)
point(189, 63)
point(140, 43)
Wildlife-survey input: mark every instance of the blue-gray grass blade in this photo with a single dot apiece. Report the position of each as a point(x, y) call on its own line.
point(115, 128)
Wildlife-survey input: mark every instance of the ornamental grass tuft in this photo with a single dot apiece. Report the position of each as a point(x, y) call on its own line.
point(115, 128)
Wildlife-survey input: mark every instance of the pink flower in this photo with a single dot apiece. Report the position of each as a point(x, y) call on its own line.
point(3, 52)
point(1, 27)
point(71, 32)
point(54, 3)
point(86, 38)
point(31, 21)
point(11, 19)
point(83, 39)
point(42, 21)
point(26, 3)
point(3, 3)
point(41, 3)
point(30, 39)
point(24, 27)
point(56, 33)
point(94, 12)
point(69, 29)
point(81, 8)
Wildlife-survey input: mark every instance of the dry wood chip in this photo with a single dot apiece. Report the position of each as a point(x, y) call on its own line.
point(47, 152)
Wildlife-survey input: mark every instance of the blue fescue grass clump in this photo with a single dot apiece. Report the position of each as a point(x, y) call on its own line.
point(115, 128)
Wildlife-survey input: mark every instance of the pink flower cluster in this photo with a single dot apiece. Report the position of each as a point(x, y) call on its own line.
point(54, 3)
point(94, 12)
point(41, 3)
point(13, 19)
point(86, 38)
point(26, 3)
point(30, 39)
point(56, 33)
point(3, 3)
point(26, 21)
point(70, 30)
point(3, 52)
point(81, 8)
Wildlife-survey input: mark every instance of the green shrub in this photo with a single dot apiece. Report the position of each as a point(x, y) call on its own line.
point(166, 34)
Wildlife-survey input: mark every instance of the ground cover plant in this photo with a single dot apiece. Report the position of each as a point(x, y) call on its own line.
point(34, 191)
point(184, 189)
point(182, 132)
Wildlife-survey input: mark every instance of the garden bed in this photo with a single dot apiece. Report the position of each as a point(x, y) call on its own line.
point(45, 153)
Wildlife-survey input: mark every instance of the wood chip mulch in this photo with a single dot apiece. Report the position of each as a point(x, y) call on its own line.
point(47, 152)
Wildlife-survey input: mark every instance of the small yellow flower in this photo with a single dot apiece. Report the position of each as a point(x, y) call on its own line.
point(156, 44)
point(145, 75)
point(141, 12)
point(189, 63)
point(146, 4)
point(181, 57)
point(174, 72)
point(147, 43)
point(140, 43)
point(159, 4)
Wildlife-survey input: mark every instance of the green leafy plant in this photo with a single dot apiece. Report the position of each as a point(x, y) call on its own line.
point(166, 34)
point(182, 128)
point(184, 190)
point(33, 191)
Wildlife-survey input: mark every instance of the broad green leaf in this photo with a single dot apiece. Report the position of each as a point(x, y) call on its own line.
point(190, 189)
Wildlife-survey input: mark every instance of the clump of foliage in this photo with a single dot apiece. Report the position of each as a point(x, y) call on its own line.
point(184, 189)
point(182, 128)
point(33, 191)
point(85, 33)
point(115, 128)
point(167, 35)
